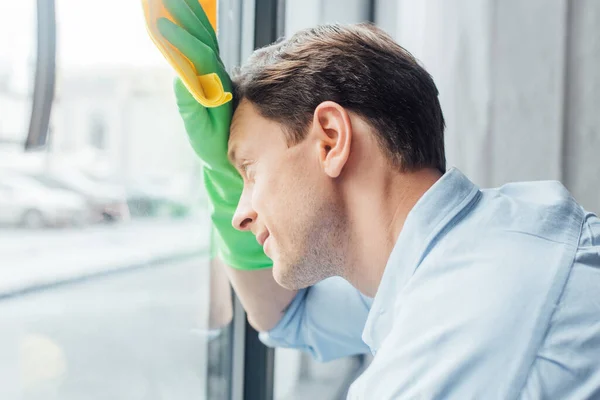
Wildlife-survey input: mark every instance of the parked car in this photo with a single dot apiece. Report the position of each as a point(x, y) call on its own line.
point(107, 202)
point(27, 203)
point(146, 199)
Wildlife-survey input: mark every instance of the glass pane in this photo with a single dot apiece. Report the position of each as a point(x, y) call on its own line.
point(105, 285)
point(17, 63)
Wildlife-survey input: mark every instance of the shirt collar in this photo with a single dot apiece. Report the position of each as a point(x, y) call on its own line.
point(430, 215)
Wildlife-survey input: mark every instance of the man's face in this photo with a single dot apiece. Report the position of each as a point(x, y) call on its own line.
point(288, 202)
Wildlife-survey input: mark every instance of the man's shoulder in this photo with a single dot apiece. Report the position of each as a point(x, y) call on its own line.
point(521, 231)
point(544, 209)
point(487, 288)
point(512, 250)
point(521, 224)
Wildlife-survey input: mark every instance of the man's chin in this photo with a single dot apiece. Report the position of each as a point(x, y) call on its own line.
point(288, 278)
point(281, 277)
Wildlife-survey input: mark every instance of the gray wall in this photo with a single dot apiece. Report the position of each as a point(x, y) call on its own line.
point(519, 83)
point(581, 169)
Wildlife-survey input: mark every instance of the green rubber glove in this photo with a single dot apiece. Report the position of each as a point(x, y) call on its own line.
point(208, 132)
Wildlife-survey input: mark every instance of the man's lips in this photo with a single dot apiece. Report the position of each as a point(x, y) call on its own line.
point(262, 237)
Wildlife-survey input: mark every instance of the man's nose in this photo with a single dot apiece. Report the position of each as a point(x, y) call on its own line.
point(244, 215)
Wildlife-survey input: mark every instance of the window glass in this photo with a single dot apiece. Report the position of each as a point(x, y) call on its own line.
point(17, 62)
point(104, 274)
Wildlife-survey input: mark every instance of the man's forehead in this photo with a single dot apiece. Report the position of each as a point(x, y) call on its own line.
point(250, 133)
point(237, 121)
point(242, 120)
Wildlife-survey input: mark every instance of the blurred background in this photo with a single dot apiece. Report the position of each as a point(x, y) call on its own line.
point(106, 288)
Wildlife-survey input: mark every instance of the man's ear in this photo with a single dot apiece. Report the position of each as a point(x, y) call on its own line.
point(333, 130)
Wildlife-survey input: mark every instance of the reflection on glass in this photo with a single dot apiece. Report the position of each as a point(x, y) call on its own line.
point(104, 275)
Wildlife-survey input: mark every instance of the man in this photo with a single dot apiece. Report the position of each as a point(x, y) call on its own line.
point(337, 139)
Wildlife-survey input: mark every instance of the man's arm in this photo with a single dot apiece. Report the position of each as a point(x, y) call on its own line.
point(264, 301)
point(325, 320)
point(220, 312)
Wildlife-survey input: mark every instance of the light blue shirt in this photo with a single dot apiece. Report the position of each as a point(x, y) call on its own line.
point(489, 294)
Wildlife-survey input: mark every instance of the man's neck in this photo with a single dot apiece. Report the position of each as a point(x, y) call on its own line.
point(381, 210)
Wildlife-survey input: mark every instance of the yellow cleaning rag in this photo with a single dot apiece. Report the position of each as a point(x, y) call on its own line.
point(206, 89)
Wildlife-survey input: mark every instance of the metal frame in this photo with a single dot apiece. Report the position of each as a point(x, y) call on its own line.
point(259, 360)
point(251, 24)
point(269, 21)
point(45, 75)
point(372, 11)
point(238, 353)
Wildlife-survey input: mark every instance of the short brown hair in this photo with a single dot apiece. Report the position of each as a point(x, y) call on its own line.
point(359, 67)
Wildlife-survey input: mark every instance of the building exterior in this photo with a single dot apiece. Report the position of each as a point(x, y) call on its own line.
point(126, 118)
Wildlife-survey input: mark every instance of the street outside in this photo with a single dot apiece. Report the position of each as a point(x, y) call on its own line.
point(34, 258)
point(133, 335)
point(128, 336)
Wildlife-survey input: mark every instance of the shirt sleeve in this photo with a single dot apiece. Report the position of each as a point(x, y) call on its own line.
point(325, 320)
point(568, 363)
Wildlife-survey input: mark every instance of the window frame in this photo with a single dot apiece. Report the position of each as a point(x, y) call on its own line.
point(253, 363)
point(45, 75)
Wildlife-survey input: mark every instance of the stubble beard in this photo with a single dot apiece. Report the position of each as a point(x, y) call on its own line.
point(319, 250)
